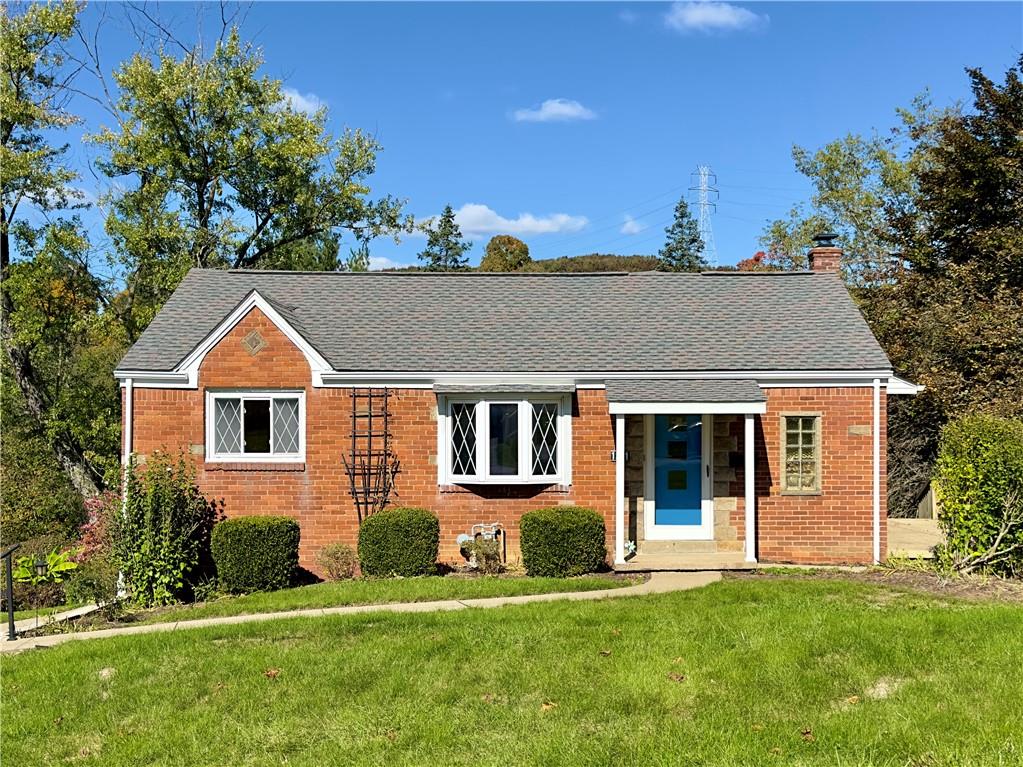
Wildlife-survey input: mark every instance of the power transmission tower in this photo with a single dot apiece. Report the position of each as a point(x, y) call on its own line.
point(704, 184)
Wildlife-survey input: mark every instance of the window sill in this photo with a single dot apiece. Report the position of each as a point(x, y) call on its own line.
point(800, 493)
point(253, 466)
point(473, 487)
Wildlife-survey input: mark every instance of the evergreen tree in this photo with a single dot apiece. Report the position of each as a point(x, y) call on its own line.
point(683, 250)
point(445, 249)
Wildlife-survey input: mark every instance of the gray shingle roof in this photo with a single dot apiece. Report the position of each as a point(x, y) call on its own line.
point(666, 390)
point(473, 322)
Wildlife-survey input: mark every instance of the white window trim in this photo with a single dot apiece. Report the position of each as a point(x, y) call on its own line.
point(525, 416)
point(254, 394)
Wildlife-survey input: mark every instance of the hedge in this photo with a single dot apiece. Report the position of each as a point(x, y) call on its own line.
point(255, 553)
point(561, 541)
point(980, 490)
point(399, 541)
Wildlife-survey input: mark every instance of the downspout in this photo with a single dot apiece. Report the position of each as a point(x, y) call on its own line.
point(129, 402)
point(876, 434)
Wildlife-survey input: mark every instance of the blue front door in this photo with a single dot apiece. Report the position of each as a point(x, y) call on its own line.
point(678, 453)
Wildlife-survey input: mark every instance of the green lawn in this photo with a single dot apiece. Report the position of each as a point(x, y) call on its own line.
point(743, 672)
point(378, 591)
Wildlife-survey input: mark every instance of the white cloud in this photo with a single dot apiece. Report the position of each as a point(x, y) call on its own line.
point(555, 110)
point(475, 219)
point(632, 226)
point(710, 16)
point(303, 102)
point(376, 263)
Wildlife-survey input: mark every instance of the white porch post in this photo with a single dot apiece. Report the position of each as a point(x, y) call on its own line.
point(750, 504)
point(619, 489)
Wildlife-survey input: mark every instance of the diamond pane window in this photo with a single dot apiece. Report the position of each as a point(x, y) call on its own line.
point(545, 439)
point(463, 439)
point(256, 424)
point(227, 426)
point(285, 426)
point(801, 454)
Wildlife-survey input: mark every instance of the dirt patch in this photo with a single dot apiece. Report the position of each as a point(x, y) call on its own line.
point(924, 581)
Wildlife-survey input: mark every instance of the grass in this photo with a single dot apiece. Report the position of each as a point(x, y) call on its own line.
point(743, 672)
point(370, 591)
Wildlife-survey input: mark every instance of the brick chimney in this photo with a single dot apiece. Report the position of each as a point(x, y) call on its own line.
point(825, 256)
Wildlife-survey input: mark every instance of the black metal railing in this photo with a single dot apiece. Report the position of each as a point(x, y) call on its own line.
point(7, 556)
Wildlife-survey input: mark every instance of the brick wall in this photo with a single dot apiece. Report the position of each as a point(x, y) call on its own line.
point(832, 527)
point(836, 525)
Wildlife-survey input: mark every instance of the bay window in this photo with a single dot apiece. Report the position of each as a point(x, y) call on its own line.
point(505, 440)
point(255, 426)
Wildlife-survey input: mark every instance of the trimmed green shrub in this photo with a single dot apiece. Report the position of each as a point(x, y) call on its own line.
point(255, 553)
point(338, 561)
point(561, 541)
point(399, 541)
point(980, 490)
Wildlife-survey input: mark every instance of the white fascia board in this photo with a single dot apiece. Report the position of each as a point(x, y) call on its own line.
point(686, 408)
point(149, 379)
point(898, 385)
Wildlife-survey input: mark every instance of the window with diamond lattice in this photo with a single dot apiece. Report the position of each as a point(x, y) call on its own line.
point(463, 439)
point(506, 440)
point(545, 439)
point(802, 453)
point(255, 425)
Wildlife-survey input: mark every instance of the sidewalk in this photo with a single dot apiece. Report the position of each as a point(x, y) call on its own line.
point(659, 583)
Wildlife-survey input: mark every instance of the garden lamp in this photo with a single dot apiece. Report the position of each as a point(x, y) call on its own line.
point(40, 567)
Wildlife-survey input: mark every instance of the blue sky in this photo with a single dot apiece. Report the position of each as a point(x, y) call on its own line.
point(576, 126)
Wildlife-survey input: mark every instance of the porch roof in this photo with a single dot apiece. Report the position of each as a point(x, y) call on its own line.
point(696, 396)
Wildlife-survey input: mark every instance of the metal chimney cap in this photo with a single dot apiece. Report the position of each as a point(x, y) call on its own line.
point(825, 240)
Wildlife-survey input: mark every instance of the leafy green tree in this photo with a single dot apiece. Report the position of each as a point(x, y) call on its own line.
point(951, 317)
point(857, 180)
point(220, 170)
point(445, 248)
point(505, 253)
point(358, 258)
point(50, 297)
point(683, 250)
point(941, 192)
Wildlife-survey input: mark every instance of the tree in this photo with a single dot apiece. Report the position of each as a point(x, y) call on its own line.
point(221, 171)
point(941, 192)
point(445, 249)
point(857, 180)
point(951, 317)
point(358, 259)
point(49, 296)
point(505, 253)
point(683, 250)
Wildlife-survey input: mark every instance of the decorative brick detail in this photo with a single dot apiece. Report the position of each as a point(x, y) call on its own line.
point(254, 343)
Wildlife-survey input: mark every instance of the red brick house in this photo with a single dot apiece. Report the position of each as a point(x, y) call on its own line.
point(714, 420)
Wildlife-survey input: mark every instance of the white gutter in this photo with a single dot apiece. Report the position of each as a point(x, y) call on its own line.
point(129, 402)
point(876, 433)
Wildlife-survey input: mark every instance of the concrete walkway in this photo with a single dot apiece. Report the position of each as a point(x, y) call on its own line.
point(25, 624)
point(913, 538)
point(659, 583)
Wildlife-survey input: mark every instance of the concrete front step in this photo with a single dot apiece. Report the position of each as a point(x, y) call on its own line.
point(677, 547)
point(681, 562)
